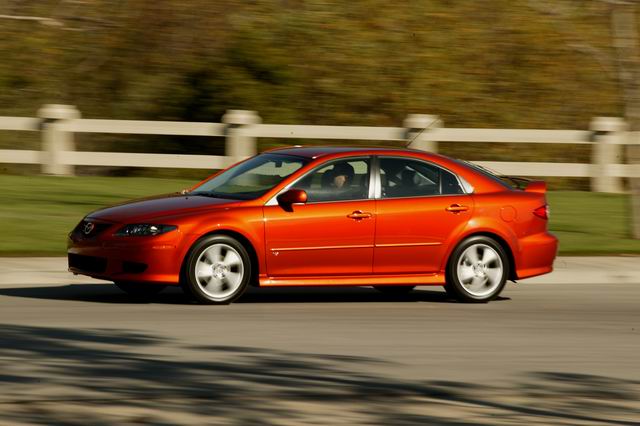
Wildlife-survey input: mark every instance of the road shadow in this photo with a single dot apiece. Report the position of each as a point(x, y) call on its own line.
point(108, 293)
point(95, 293)
point(54, 375)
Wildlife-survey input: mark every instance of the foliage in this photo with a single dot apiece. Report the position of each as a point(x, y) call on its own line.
point(368, 62)
point(504, 64)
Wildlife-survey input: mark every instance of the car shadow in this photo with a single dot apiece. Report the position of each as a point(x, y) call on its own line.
point(108, 293)
point(96, 293)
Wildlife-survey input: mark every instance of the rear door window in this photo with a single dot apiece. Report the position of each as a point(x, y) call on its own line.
point(403, 177)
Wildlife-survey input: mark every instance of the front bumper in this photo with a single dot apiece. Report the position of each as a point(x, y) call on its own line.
point(154, 259)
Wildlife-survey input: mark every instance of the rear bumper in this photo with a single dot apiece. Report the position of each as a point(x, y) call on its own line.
point(536, 255)
point(151, 262)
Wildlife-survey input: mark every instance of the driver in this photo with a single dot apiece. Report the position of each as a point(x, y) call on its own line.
point(342, 176)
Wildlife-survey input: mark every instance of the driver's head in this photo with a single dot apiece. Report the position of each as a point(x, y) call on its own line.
point(342, 175)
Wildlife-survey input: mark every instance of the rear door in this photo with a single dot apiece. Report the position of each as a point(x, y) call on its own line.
point(420, 209)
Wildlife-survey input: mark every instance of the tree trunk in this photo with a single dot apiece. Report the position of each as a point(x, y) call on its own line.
point(625, 39)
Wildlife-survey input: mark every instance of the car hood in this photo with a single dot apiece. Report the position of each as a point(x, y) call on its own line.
point(159, 206)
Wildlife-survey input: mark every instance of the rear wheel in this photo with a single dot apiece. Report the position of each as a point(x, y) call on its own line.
point(139, 290)
point(477, 270)
point(395, 290)
point(218, 270)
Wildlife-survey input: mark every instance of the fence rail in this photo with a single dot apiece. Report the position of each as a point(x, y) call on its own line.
point(58, 124)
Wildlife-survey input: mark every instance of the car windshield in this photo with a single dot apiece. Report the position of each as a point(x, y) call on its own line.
point(252, 178)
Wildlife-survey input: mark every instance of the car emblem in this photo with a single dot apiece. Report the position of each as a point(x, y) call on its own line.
point(88, 227)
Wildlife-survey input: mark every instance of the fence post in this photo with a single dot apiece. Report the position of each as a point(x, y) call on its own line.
point(418, 131)
point(238, 144)
point(610, 134)
point(54, 139)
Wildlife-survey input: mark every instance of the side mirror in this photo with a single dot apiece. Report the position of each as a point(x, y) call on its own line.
point(291, 197)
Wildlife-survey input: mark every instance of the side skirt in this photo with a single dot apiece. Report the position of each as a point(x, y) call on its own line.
point(360, 280)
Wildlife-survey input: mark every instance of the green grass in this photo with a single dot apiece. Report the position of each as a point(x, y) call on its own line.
point(591, 223)
point(37, 212)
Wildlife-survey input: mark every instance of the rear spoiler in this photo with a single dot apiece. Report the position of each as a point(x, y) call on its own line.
point(527, 185)
point(536, 186)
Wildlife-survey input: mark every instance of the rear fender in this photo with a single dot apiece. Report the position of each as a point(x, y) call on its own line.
point(485, 226)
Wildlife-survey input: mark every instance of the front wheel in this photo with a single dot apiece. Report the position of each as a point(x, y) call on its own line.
point(218, 270)
point(477, 270)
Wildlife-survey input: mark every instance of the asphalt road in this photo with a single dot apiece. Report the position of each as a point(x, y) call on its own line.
point(82, 353)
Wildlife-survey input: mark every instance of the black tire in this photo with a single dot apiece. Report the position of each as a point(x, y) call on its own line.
point(462, 291)
point(197, 288)
point(139, 291)
point(395, 290)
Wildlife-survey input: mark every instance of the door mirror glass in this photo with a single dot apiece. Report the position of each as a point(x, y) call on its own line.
point(293, 196)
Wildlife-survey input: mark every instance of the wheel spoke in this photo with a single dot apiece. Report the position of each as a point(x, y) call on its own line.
point(233, 278)
point(476, 283)
point(465, 273)
point(215, 285)
point(489, 256)
point(472, 255)
point(231, 258)
point(203, 270)
point(213, 254)
point(494, 275)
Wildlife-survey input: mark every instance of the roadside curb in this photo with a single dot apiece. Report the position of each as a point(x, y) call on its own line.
point(592, 270)
point(567, 270)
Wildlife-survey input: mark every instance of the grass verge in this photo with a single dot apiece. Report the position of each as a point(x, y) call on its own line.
point(37, 212)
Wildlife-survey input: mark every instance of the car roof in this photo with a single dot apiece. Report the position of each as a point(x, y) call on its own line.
point(481, 182)
point(321, 151)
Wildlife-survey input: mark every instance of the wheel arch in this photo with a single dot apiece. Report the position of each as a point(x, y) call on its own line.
point(246, 243)
point(500, 240)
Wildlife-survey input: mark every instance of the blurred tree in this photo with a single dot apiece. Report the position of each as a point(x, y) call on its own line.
point(506, 63)
point(365, 62)
point(625, 37)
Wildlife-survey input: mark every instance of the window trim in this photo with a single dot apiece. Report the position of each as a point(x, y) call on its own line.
point(273, 201)
point(467, 189)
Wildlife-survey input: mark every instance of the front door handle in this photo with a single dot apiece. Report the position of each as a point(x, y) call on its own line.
point(359, 215)
point(457, 208)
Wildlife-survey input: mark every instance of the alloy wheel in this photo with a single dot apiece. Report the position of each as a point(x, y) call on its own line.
point(480, 269)
point(219, 271)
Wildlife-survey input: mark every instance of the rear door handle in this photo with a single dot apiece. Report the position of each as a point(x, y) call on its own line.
point(359, 215)
point(457, 208)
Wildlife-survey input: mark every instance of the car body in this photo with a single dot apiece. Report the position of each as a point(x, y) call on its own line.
point(396, 224)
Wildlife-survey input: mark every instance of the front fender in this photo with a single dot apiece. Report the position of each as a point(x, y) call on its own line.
point(248, 223)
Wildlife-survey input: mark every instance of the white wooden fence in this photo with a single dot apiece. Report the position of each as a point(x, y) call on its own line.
point(58, 123)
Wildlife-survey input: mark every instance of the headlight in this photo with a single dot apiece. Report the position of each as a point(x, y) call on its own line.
point(143, 230)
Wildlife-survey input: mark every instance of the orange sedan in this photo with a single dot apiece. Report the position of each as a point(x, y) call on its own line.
point(324, 216)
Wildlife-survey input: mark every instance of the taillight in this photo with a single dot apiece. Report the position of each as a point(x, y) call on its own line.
point(542, 212)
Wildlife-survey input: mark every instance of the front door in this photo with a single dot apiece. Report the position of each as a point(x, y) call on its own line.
point(421, 208)
point(333, 233)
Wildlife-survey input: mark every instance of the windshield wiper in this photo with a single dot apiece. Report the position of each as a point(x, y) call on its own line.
point(213, 194)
